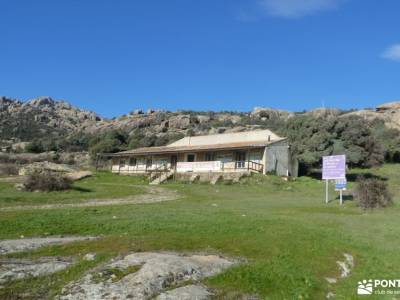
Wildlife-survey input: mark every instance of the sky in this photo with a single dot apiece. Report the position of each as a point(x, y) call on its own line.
point(114, 56)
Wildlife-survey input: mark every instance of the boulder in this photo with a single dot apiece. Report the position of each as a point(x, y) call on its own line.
point(41, 101)
point(269, 113)
point(137, 112)
point(179, 122)
point(389, 106)
point(202, 119)
point(44, 166)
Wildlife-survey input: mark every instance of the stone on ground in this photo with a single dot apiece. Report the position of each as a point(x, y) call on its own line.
point(189, 292)
point(12, 246)
point(12, 269)
point(346, 266)
point(154, 273)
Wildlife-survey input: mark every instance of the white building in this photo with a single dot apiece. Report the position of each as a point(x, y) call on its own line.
point(260, 151)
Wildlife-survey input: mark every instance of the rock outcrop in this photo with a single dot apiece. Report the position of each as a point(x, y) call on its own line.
point(389, 113)
point(42, 116)
point(269, 113)
point(45, 166)
point(147, 275)
point(324, 112)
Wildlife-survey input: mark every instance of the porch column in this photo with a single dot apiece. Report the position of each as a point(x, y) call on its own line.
point(265, 161)
point(248, 160)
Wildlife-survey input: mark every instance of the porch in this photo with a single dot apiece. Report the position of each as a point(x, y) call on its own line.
point(198, 162)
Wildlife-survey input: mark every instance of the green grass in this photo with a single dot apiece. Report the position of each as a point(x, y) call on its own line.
point(100, 186)
point(289, 238)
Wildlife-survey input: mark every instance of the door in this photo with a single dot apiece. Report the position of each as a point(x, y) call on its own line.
point(240, 159)
point(149, 163)
point(174, 160)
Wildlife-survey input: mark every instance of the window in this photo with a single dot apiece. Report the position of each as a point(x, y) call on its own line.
point(190, 157)
point(132, 162)
point(209, 156)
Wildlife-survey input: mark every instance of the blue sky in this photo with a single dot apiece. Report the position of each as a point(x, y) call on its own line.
point(115, 56)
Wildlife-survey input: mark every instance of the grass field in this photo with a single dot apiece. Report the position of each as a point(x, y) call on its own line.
point(289, 237)
point(103, 185)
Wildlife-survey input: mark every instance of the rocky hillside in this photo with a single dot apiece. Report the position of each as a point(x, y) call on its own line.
point(42, 117)
point(46, 118)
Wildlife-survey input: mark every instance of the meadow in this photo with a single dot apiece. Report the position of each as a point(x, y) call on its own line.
point(288, 238)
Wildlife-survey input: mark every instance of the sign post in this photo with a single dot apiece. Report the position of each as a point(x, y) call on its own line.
point(340, 185)
point(333, 167)
point(326, 191)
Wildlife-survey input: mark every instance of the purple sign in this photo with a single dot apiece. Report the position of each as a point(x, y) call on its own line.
point(334, 167)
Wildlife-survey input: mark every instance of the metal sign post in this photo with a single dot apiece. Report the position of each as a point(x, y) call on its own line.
point(333, 167)
point(327, 191)
point(340, 185)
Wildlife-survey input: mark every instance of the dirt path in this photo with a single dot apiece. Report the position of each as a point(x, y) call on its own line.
point(152, 195)
point(12, 179)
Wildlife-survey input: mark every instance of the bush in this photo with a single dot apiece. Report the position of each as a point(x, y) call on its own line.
point(35, 146)
point(46, 181)
point(372, 193)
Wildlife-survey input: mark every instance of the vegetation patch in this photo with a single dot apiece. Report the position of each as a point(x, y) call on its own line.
point(114, 274)
point(372, 193)
point(46, 181)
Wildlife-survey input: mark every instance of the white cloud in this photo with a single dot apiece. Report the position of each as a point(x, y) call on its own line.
point(297, 8)
point(392, 53)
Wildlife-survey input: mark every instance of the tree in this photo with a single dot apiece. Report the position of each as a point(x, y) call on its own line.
point(389, 139)
point(310, 138)
point(359, 144)
point(111, 142)
point(35, 146)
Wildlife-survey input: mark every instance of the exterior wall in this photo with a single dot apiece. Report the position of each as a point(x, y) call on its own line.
point(124, 165)
point(223, 161)
point(278, 160)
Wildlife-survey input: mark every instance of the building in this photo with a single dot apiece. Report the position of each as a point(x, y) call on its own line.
point(260, 151)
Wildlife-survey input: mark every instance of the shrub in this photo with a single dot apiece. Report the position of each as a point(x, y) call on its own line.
point(372, 193)
point(35, 146)
point(46, 181)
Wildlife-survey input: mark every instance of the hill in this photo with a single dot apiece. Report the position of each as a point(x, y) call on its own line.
point(44, 117)
point(367, 136)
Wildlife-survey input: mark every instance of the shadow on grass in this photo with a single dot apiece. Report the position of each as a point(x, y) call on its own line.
point(81, 189)
point(351, 177)
point(346, 197)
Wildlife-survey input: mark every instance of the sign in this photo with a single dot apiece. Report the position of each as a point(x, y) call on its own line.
point(334, 167)
point(340, 184)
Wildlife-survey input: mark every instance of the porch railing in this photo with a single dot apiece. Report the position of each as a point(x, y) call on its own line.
point(249, 165)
